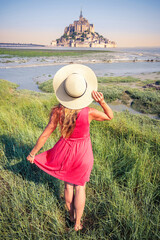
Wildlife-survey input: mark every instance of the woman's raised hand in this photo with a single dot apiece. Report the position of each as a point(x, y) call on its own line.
point(98, 97)
point(98, 115)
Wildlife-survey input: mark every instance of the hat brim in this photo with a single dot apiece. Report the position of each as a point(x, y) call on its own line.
point(63, 97)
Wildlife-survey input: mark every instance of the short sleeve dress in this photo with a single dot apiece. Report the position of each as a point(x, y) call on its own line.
point(71, 159)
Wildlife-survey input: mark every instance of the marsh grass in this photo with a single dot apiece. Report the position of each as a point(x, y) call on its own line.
point(112, 92)
point(123, 197)
point(117, 79)
point(145, 82)
point(46, 53)
point(46, 86)
point(143, 100)
point(146, 101)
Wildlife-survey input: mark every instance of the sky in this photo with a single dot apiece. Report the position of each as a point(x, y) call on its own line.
point(130, 23)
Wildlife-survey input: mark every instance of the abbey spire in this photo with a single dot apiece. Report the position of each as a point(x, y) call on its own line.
point(81, 16)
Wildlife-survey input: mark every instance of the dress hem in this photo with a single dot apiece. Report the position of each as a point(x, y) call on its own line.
point(60, 178)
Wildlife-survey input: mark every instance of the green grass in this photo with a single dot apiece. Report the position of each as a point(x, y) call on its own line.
point(111, 93)
point(46, 53)
point(117, 79)
point(146, 101)
point(46, 86)
point(123, 195)
point(145, 82)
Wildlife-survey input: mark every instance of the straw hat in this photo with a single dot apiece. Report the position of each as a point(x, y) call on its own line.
point(73, 85)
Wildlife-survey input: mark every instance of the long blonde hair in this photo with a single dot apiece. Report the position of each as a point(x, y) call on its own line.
point(66, 119)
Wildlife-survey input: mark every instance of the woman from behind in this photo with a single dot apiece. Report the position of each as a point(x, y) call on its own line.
point(71, 158)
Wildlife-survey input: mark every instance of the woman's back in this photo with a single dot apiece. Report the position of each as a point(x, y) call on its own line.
point(81, 129)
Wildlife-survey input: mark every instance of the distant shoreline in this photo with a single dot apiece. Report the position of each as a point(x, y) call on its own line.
point(21, 44)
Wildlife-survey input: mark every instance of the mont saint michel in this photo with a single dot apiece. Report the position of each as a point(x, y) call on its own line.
point(81, 34)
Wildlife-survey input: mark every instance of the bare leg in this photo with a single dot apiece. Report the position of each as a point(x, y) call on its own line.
point(69, 198)
point(79, 203)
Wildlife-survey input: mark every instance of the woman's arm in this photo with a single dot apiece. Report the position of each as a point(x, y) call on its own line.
point(98, 115)
point(43, 137)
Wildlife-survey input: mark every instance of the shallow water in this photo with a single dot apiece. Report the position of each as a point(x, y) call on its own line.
point(124, 69)
point(27, 77)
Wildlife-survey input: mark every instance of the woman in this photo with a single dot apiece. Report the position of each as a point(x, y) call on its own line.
point(71, 158)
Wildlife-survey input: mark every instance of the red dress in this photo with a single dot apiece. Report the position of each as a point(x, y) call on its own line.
point(71, 159)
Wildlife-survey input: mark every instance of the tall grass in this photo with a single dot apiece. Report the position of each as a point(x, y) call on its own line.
point(123, 193)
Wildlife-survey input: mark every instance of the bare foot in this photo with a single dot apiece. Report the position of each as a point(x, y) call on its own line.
point(78, 227)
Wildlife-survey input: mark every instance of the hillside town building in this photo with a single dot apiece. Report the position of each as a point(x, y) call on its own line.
point(81, 34)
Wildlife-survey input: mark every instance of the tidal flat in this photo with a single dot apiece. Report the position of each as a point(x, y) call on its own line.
point(123, 198)
point(19, 57)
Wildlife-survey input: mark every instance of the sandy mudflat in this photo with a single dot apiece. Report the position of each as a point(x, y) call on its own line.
point(71, 61)
point(146, 76)
point(51, 61)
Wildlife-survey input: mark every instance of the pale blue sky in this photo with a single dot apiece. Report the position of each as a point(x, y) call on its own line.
point(128, 22)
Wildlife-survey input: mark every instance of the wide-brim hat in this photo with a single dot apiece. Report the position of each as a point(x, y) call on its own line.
point(73, 85)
